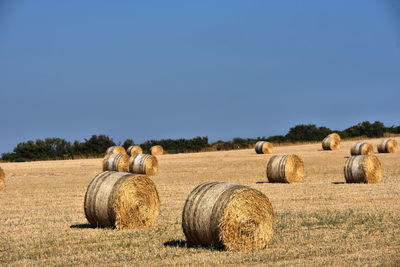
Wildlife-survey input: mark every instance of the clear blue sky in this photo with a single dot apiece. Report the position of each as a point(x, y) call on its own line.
point(171, 69)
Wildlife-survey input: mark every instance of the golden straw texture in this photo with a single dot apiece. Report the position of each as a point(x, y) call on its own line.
point(143, 164)
point(116, 162)
point(116, 150)
point(121, 200)
point(361, 148)
point(363, 169)
point(132, 150)
point(331, 142)
point(2, 179)
point(156, 150)
point(285, 169)
point(263, 147)
point(227, 216)
point(388, 146)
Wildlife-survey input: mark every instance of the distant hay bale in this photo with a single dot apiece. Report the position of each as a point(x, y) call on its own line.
point(388, 146)
point(116, 150)
point(143, 164)
point(116, 162)
point(363, 169)
point(361, 148)
point(156, 150)
point(227, 216)
point(331, 142)
point(263, 147)
point(2, 179)
point(285, 169)
point(122, 200)
point(132, 150)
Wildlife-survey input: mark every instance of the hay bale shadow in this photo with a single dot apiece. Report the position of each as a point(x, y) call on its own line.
point(262, 182)
point(346, 157)
point(338, 182)
point(82, 226)
point(185, 244)
point(176, 244)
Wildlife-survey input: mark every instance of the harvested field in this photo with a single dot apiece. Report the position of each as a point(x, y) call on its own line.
point(323, 221)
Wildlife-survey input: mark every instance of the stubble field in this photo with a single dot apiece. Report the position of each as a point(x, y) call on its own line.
point(320, 222)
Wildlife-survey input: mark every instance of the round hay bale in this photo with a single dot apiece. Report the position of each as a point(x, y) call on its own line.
point(388, 146)
point(363, 169)
point(122, 200)
point(143, 164)
point(132, 150)
point(227, 216)
point(335, 135)
point(116, 150)
point(361, 148)
point(2, 179)
point(285, 169)
point(116, 162)
point(331, 142)
point(156, 150)
point(263, 147)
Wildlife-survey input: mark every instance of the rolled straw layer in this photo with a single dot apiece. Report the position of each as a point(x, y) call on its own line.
point(361, 148)
point(116, 150)
point(121, 200)
point(285, 169)
point(156, 150)
point(143, 164)
point(116, 162)
point(263, 147)
point(363, 169)
point(132, 150)
point(388, 146)
point(331, 142)
point(227, 216)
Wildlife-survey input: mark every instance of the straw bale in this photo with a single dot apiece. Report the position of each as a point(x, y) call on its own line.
point(285, 169)
point(156, 150)
point(132, 150)
point(263, 147)
point(361, 148)
point(116, 150)
point(116, 162)
point(363, 169)
point(2, 179)
point(335, 136)
point(388, 146)
point(227, 216)
point(143, 164)
point(122, 200)
point(331, 142)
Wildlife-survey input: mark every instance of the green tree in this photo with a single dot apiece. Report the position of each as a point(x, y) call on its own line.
point(128, 143)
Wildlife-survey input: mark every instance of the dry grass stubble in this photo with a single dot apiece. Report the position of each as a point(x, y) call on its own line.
point(322, 221)
point(2, 179)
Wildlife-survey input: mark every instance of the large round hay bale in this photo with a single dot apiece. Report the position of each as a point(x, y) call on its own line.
point(263, 147)
point(156, 150)
point(363, 169)
point(143, 164)
point(285, 169)
point(388, 146)
point(116, 162)
point(361, 148)
point(2, 179)
point(122, 200)
point(331, 142)
point(132, 150)
point(116, 150)
point(227, 216)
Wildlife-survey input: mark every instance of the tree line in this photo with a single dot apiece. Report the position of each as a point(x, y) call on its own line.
point(96, 145)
